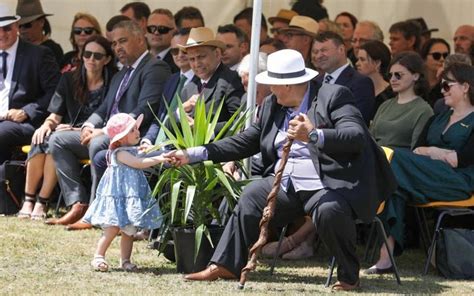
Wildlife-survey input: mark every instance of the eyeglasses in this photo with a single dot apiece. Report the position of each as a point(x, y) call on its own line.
point(291, 34)
point(396, 75)
point(27, 25)
point(174, 51)
point(96, 55)
point(437, 55)
point(86, 30)
point(446, 85)
point(274, 30)
point(7, 28)
point(160, 29)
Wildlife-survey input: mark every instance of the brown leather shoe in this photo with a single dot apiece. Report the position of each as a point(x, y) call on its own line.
point(342, 286)
point(211, 273)
point(75, 214)
point(80, 225)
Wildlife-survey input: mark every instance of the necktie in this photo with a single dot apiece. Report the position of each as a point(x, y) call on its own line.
point(327, 79)
point(121, 91)
point(289, 115)
point(202, 87)
point(4, 63)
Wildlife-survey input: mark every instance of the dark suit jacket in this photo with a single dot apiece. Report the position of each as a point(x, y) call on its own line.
point(224, 84)
point(169, 60)
point(34, 79)
point(168, 93)
point(362, 88)
point(350, 162)
point(145, 87)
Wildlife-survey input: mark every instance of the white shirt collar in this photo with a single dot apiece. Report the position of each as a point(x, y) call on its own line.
point(335, 74)
point(162, 53)
point(137, 62)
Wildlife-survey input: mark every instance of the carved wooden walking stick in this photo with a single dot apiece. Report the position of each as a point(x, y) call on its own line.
point(268, 212)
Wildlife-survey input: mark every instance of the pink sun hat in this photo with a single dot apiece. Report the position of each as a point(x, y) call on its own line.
point(120, 125)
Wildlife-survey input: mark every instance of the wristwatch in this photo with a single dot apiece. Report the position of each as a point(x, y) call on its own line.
point(313, 136)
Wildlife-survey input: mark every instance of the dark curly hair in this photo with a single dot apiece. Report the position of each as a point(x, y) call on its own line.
point(461, 73)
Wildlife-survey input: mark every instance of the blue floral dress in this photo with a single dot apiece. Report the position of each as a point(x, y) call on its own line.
point(123, 198)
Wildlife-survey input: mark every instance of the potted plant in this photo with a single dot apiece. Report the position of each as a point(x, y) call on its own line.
point(190, 195)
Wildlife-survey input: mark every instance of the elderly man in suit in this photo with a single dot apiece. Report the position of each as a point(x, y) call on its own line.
point(212, 80)
point(329, 55)
point(139, 83)
point(28, 77)
point(335, 172)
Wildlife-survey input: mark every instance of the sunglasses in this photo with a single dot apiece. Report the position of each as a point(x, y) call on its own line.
point(274, 30)
point(397, 75)
point(85, 30)
point(27, 25)
point(6, 28)
point(446, 85)
point(96, 55)
point(291, 34)
point(174, 51)
point(437, 55)
point(160, 29)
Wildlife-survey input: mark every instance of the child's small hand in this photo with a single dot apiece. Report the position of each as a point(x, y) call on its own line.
point(177, 157)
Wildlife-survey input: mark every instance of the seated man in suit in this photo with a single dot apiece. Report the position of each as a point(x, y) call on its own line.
point(28, 77)
point(335, 173)
point(329, 55)
point(139, 83)
point(172, 90)
point(212, 80)
point(160, 30)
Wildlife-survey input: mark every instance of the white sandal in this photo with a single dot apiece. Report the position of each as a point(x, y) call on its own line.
point(127, 265)
point(99, 264)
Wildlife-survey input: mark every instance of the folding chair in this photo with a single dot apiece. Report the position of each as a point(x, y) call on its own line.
point(450, 208)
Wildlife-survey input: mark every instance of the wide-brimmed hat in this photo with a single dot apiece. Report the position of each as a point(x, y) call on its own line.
point(424, 27)
point(201, 36)
point(284, 15)
point(30, 10)
point(120, 125)
point(7, 16)
point(285, 66)
point(303, 24)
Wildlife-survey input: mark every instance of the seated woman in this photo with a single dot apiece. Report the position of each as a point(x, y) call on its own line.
point(400, 120)
point(441, 167)
point(78, 94)
point(373, 60)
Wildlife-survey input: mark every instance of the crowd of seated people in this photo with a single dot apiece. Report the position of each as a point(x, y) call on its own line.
point(59, 103)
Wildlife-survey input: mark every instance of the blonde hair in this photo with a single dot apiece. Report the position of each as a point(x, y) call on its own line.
point(88, 17)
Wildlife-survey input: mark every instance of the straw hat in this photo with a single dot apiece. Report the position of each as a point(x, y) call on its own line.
point(120, 125)
point(284, 15)
point(30, 10)
point(7, 16)
point(285, 66)
point(201, 36)
point(303, 24)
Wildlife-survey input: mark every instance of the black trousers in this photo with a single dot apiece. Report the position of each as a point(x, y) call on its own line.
point(13, 134)
point(332, 215)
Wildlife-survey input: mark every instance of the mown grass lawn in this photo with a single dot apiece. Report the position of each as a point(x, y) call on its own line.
point(47, 260)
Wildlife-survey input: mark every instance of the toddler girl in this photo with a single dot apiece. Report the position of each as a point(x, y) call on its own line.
point(123, 200)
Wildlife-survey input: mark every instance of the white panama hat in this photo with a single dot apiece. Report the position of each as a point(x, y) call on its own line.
point(285, 66)
point(7, 16)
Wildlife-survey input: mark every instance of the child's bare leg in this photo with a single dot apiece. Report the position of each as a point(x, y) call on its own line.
point(126, 247)
point(106, 239)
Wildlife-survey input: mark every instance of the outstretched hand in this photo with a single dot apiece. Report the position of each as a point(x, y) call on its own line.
point(299, 128)
point(177, 157)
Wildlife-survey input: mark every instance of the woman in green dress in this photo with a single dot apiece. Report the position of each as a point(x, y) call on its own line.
point(441, 167)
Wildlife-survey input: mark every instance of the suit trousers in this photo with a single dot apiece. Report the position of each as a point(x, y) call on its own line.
point(67, 151)
point(13, 134)
point(332, 215)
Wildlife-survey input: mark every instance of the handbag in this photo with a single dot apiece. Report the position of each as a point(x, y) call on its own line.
point(12, 185)
point(455, 253)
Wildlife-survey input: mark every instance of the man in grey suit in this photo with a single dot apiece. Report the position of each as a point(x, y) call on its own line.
point(138, 84)
point(335, 172)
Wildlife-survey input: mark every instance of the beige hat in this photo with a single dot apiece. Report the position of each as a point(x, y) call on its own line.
point(29, 10)
point(302, 24)
point(6, 15)
point(284, 15)
point(201, 36)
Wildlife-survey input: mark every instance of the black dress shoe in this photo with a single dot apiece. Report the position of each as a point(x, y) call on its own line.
point(375, 270)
